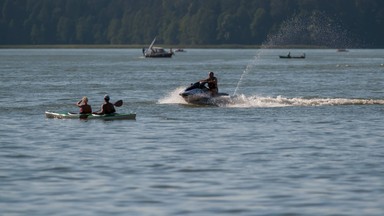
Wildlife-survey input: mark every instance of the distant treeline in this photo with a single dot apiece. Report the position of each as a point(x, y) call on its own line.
point(331, 23)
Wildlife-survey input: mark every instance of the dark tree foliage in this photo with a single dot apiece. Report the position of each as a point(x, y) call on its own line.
point(331, 23)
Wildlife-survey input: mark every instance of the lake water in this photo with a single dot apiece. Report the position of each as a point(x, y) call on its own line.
point(300, 137)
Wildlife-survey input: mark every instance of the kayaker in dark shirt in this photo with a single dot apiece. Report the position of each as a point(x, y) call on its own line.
point(106, 107)
point(85, 108)
point(212, 83)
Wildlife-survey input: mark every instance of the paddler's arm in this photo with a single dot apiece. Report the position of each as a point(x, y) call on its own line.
point(101, 111)
point(97, 112)
point(79, 103)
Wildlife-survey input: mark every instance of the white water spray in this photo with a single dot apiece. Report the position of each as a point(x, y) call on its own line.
point(173, 97)
point(249, 67)
point(318, 29)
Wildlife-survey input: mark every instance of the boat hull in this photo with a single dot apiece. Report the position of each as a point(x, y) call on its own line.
point(156, 52)
point(210, 101)
point(198, 94)
point(159, 55)
point(204, 98)
point(115, 116)
point(292, 57)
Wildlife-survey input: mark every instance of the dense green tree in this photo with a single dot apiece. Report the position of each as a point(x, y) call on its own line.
point(259, 25)
point(64, 29)
point(332, 23)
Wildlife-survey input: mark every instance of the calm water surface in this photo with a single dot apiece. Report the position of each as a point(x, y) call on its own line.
point(300, 137)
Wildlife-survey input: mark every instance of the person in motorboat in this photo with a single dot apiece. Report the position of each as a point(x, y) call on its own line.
point(106, 107)
point(212, 84)
point(85, 108)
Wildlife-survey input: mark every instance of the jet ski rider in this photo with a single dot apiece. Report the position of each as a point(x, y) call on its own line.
point(212, 83)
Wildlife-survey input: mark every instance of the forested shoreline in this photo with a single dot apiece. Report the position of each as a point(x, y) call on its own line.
point(324, 23)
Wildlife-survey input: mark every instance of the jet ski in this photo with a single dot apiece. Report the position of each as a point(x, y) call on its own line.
point(197, 93)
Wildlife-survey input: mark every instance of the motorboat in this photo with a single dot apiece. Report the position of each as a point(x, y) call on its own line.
point(156, 52)
point(198, 94)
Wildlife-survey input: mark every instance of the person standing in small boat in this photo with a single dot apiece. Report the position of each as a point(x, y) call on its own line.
point(212, 83)
point(106, 107)
point(85, 108)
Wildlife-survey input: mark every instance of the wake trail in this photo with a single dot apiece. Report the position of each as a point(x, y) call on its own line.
point(279, 101)
point(255, 101)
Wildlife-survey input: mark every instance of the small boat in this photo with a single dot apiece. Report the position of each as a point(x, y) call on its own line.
point(292, 57)
point(342, 50)
point(156, 52)
point(68, 115)
point(180, 50)
point(199, 94)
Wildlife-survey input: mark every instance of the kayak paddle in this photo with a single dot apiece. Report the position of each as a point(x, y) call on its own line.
point(118, 103)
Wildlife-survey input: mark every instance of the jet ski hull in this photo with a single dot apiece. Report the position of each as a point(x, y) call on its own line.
point(198, 94)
